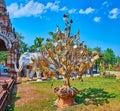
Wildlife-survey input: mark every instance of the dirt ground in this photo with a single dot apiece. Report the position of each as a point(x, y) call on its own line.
point(26, 94)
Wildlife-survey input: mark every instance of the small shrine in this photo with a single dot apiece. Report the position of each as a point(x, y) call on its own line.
point(8, 39)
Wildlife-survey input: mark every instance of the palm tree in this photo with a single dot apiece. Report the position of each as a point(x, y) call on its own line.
point(38, 43)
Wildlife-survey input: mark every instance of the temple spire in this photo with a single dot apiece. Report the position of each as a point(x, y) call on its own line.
point(5, 23)
point(2, 2)
point(3, 5)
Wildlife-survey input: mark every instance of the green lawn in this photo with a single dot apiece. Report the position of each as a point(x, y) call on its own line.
point(102, 93)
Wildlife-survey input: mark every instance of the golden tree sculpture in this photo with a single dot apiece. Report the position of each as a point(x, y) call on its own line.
point(66, 55)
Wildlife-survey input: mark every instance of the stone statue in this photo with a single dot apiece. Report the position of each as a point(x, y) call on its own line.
point(29, 59)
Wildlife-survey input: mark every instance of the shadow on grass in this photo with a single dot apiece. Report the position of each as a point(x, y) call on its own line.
point(95, 96)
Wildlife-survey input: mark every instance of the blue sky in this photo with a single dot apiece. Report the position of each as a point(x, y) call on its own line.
point(98, 20)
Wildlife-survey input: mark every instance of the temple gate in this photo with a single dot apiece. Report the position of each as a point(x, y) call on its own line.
point(8, 40)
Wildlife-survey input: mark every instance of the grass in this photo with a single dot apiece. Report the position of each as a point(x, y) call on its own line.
point(96, 94)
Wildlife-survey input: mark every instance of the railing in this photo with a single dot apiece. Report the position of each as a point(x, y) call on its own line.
point(5, 94)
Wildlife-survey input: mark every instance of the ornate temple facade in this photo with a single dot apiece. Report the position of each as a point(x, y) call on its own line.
point(8, 39)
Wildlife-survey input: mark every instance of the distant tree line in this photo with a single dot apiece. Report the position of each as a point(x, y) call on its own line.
point(109, 55)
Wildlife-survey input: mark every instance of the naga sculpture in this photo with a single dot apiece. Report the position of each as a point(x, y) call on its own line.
point(29, 59)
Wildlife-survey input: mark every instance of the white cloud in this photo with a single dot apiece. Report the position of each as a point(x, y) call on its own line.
point(114, 13)
point(87, 11)
point(34, 8)
point(97, 19)
point(72, 11)
point(64, 8)
point(31, 9)
point(105, 3)
point(53, 6)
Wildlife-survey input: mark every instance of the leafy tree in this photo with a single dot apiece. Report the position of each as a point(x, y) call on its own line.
point(23, 47)
point(109, 56)
point(32, 48)
point(90, 50)
point(97, 64)
point(3, 56)
point(38, 43)
point(36, 47)
point(98, 49)
point(47, 44)
point(118, 59)
point(53, 34)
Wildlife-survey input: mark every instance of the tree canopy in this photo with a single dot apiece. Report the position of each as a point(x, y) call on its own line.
point(3, 56)
point(23, 47)
point(109, 56)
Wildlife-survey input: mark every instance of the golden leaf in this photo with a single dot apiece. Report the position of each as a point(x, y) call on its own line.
point(58, 52)
point(62, 71)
